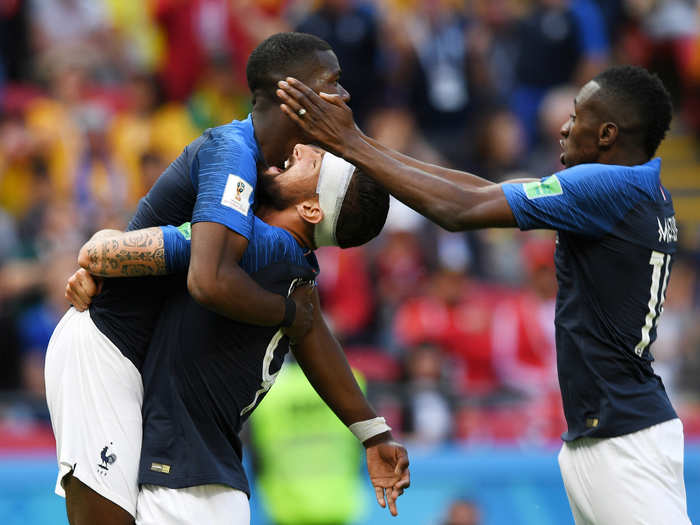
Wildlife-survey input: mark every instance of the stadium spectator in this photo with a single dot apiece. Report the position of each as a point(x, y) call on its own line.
point(37, 323)
point(456, 313)
point(559, 41)
point(463, 512)
point(346, 292)
point(99, 184)
point(523, 331)
point(427, 418)
point(71, 28)
point(440, 93)
point(499, 145)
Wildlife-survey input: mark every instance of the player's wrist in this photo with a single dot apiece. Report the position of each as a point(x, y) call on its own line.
point(290, 312)
point(384, 437)
point(351, 143)
point(371, 431)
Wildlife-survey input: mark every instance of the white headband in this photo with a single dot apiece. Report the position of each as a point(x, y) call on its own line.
point(333, 181)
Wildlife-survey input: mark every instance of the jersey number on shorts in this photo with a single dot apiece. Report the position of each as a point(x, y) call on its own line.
point(659, 261)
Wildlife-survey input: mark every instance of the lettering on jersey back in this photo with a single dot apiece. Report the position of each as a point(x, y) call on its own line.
point(668, 231)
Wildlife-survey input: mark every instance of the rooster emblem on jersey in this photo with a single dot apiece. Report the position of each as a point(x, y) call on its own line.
point(107, 459)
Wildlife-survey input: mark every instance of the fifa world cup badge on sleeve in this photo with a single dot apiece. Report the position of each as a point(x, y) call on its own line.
point(543, 188)
point(237, 194)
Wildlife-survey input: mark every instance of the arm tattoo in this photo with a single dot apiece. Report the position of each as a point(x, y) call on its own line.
point(130, 254)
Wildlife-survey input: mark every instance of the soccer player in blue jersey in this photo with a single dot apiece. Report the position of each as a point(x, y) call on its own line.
point(622, 457)
point(212, 183)
point(204, 374)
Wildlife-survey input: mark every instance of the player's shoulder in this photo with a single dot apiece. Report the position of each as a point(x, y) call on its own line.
point(642, 178)
point(235, 137)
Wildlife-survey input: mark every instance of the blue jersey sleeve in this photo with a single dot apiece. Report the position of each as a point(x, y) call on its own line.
point(588, 199)
point(176, 247)
point(224, 174)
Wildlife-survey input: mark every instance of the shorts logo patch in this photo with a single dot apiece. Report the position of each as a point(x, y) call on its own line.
point(592, 422)
point(107, 459)
point(237, 194)
point(160, 467)
point(543, 188)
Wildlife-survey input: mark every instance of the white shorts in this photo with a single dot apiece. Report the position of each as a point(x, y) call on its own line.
point(94, 395)
point(632, 479)
point(210, 504)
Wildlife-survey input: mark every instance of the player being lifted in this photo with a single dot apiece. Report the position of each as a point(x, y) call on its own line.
point(204, 373)
point(95, 400)
point(622, 457)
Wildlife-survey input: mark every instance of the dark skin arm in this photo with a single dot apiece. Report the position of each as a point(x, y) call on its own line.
point(456, 176)
point(216, 281)
point(453, 199)
point(322, 359)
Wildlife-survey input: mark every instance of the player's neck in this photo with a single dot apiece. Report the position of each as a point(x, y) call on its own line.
point(275, 134)
point(624, 157)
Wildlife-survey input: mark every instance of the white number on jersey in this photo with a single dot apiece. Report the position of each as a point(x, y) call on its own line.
point(268, 379)
point(659, 261)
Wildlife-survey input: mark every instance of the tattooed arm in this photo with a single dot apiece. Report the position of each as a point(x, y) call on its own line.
point(111, 253)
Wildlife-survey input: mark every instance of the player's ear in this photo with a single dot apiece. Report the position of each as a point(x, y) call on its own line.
point(310, 210)
point(607, 134)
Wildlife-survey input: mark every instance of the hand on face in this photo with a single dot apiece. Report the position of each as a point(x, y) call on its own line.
point(326, 118)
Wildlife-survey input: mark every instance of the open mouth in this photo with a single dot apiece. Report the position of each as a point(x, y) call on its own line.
point(273, 170)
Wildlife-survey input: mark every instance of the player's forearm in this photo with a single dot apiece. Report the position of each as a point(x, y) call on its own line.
point(453, 206)
point(111, 253)
point(322, 359)
point(455, 176)
point(234, 294)
point(330, 375)
point(217, 282)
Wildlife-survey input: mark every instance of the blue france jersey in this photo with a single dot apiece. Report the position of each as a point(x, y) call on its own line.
point(615, 245)
point(204, 374)
point(212, 180)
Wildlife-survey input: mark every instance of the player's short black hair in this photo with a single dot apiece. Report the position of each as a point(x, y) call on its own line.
point(636, 88)
point(278, 56)
point(363, 213)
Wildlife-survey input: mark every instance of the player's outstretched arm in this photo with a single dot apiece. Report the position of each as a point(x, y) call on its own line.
point(454, 200)
point(216, 281)
point(322, 359)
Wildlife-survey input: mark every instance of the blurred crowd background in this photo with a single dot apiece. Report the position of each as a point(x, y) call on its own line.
point(453, 333)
